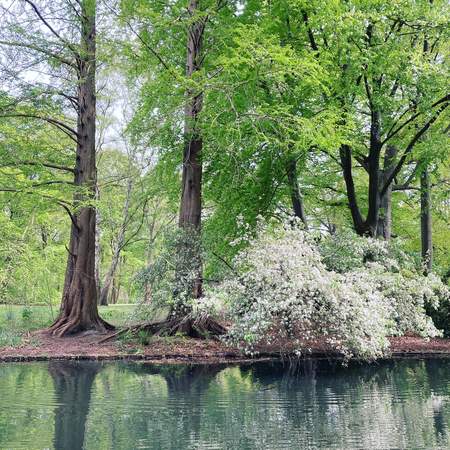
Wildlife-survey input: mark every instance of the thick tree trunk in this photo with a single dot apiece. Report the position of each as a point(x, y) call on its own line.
point(97, 242)
point(103, 300)
point(425, 220)
point(384, 226)
point(191, 187)
point(296, 197)
point(181, 318)
point(79, 303)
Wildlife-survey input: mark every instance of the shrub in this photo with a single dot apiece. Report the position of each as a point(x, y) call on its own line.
point(285, 290)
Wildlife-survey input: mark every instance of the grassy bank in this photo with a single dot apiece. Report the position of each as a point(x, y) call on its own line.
point(17, 321)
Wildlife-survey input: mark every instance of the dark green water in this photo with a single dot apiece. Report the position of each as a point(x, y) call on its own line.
point(69, 405)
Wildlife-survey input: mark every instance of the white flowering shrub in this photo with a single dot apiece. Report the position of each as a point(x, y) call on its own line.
point(410, 296)
point(284, 291)
point(346, 251)
point(398, 277)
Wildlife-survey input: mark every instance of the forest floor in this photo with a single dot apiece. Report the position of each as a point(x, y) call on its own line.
point(22, 340)
point(38, 346)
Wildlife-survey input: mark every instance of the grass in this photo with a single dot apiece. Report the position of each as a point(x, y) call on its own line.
point(16, 321)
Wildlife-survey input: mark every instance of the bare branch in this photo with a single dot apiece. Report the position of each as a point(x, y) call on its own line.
point(57, 123)
point(45, 22)
point(44, 51)
point(35, 163)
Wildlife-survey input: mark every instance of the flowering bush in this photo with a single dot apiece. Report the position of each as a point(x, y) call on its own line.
point(284, 288)
point(345, 251)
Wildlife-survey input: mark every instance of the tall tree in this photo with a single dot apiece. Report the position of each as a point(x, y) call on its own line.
point(191, 182)
point(79, 303)
point(69, 44)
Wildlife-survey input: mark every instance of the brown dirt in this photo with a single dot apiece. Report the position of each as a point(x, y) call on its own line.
point(40, 346)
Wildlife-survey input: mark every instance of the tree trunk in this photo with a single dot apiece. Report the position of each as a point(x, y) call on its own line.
point(367, 227)
point(191, 185)
point(345, 153)
point(103, 300)
point(373, 162)
point(115, 291)
point(425, 220)
point(296, 197)
point(149, 256)
point(180, 318)
point(79, 303)
point(384, 225)
point(97, 242)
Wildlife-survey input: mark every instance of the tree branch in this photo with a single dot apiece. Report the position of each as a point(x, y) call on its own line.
point(34, 163)
point(57, 123)
point(392, 132)
point(311, 38)
point(48, 53)
point(411, 145)
point(53, 31)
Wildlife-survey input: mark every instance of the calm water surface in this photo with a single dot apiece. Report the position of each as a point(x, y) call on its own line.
point(318, 405)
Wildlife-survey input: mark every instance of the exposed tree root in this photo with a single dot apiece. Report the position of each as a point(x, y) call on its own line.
point(202, 327)
point(65, 326)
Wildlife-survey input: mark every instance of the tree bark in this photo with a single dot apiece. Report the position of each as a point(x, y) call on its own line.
point(345, 154)
point(191, 184)
point(374, 174)
point(384, 226)
point(296, 197)
point(104, 294)
point(79, 303)
point(97, 243)
point(425, 221)
point(369, 225)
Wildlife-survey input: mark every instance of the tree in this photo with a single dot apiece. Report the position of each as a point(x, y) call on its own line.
point(377, 92)
point(425, 220)
point(77, 61)
point(161, 47)
point(191, 182)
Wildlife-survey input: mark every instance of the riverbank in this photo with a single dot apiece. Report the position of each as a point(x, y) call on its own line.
point(38, 346)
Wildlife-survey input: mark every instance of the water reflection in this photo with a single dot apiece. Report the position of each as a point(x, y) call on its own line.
point(317, 404)
point(73, 384)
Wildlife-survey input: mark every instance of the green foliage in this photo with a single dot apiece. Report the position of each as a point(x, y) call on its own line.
point(283, 291)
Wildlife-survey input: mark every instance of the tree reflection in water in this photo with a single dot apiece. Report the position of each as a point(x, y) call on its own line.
point(315, 404)
point(73, 385)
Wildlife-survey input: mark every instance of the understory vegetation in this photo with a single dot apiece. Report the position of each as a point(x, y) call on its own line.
point(295, 288)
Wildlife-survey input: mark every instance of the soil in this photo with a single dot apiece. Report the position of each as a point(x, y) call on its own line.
point(39, 346)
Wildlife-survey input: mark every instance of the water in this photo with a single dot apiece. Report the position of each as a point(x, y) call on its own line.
point(318, 405)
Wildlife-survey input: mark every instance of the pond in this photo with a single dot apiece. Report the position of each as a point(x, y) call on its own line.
point(402, 404)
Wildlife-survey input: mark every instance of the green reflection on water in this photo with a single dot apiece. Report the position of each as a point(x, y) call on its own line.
point(73, 405)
